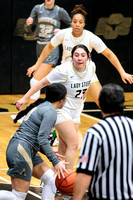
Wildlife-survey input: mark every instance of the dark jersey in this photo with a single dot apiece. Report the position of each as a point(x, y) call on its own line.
point(36, 127)
point(48, 20)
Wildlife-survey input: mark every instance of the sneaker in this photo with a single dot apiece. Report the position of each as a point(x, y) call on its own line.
point(41, 185)
point(56, 142)
point(57, 193)
point(20, 120)
point(67, 197)
point(53, 140)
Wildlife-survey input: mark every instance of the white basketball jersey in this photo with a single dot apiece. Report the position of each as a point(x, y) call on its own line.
point(68, 41)
point(76, 82)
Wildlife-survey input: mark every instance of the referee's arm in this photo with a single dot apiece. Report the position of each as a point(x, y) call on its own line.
point(86, 164)
point(81, 185)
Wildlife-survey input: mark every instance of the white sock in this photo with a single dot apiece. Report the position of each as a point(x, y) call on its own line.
point(37, 94)
point(20, 195)
point(14, 195)
point(49, 189)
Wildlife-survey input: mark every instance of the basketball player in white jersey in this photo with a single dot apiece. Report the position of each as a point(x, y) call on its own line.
point(78, 35)
point(76, 76)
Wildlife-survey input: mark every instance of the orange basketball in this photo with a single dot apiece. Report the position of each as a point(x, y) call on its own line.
point(65, 185)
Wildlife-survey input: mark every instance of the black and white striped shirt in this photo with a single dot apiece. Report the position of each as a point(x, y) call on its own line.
point(107, 155)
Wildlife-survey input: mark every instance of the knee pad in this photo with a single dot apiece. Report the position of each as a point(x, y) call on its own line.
point(19, 195)
point(37, 94)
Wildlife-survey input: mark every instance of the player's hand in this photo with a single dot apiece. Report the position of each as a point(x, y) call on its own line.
point(60, 167)
point(20, 103)
point(127, 78)
point(59, 156)
point(31, 70)
point(56, 31)
point(29, 21)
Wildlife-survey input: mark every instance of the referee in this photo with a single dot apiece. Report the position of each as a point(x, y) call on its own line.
point(106, 158)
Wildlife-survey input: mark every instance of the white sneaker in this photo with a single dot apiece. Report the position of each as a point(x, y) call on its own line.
point(66, 197)
point(41, 185)
point(20, 120)
point(56, 142)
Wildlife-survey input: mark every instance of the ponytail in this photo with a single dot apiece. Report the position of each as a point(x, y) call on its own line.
point(54, 92)
point(28, 108)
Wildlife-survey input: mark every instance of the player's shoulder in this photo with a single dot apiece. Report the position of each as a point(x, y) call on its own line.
point(64, 65)
point(65, 31)
point(46, 107)
point(60, 9)
point(38, 6)
point(57, 7)
point(92, 64)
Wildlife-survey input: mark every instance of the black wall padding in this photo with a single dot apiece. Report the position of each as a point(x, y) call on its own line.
point(111, 20)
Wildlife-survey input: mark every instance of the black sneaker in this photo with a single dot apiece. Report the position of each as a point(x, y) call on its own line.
point(53, 140)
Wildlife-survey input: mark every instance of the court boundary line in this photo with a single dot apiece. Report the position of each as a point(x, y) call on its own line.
point(89, 116)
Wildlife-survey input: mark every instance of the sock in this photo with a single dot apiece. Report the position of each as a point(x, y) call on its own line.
point(14, 195)
point(7, 195)
point(49, 189)
point(20, 195)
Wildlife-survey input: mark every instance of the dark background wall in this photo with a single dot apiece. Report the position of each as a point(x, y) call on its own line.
point(111, 20)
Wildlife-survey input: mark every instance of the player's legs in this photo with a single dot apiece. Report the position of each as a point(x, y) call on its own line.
point(44, 69)
point(46, 174)
point(19, 191)
point(68, 133)
point(62, 146)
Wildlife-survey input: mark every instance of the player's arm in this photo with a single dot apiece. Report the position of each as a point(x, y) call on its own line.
point(116, 63)
point(55, 41)
point(30, 20)
point(46, 51)
point(42, 83)
point(81, 180)
point(64, 17)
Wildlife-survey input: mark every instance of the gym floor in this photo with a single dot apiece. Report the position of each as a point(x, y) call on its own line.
point(91, 115)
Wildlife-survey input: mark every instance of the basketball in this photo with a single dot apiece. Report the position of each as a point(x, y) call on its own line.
point(65, 185)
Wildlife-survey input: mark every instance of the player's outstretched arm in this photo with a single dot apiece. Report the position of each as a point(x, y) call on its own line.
point(42, 83)
point(46, 51)
point(116, 63)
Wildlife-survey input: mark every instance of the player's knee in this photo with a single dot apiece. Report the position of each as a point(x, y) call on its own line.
point(37, 94)
point(48, 178)
point(33, 81)
point(74, 146)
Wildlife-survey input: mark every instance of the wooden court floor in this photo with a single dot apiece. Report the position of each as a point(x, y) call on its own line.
point(7, 129)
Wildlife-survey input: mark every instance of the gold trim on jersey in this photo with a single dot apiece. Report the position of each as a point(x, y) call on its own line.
point(84, 32)
point(25, 155)
point(41, 5)
point(76, 72)
point(58, 7)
